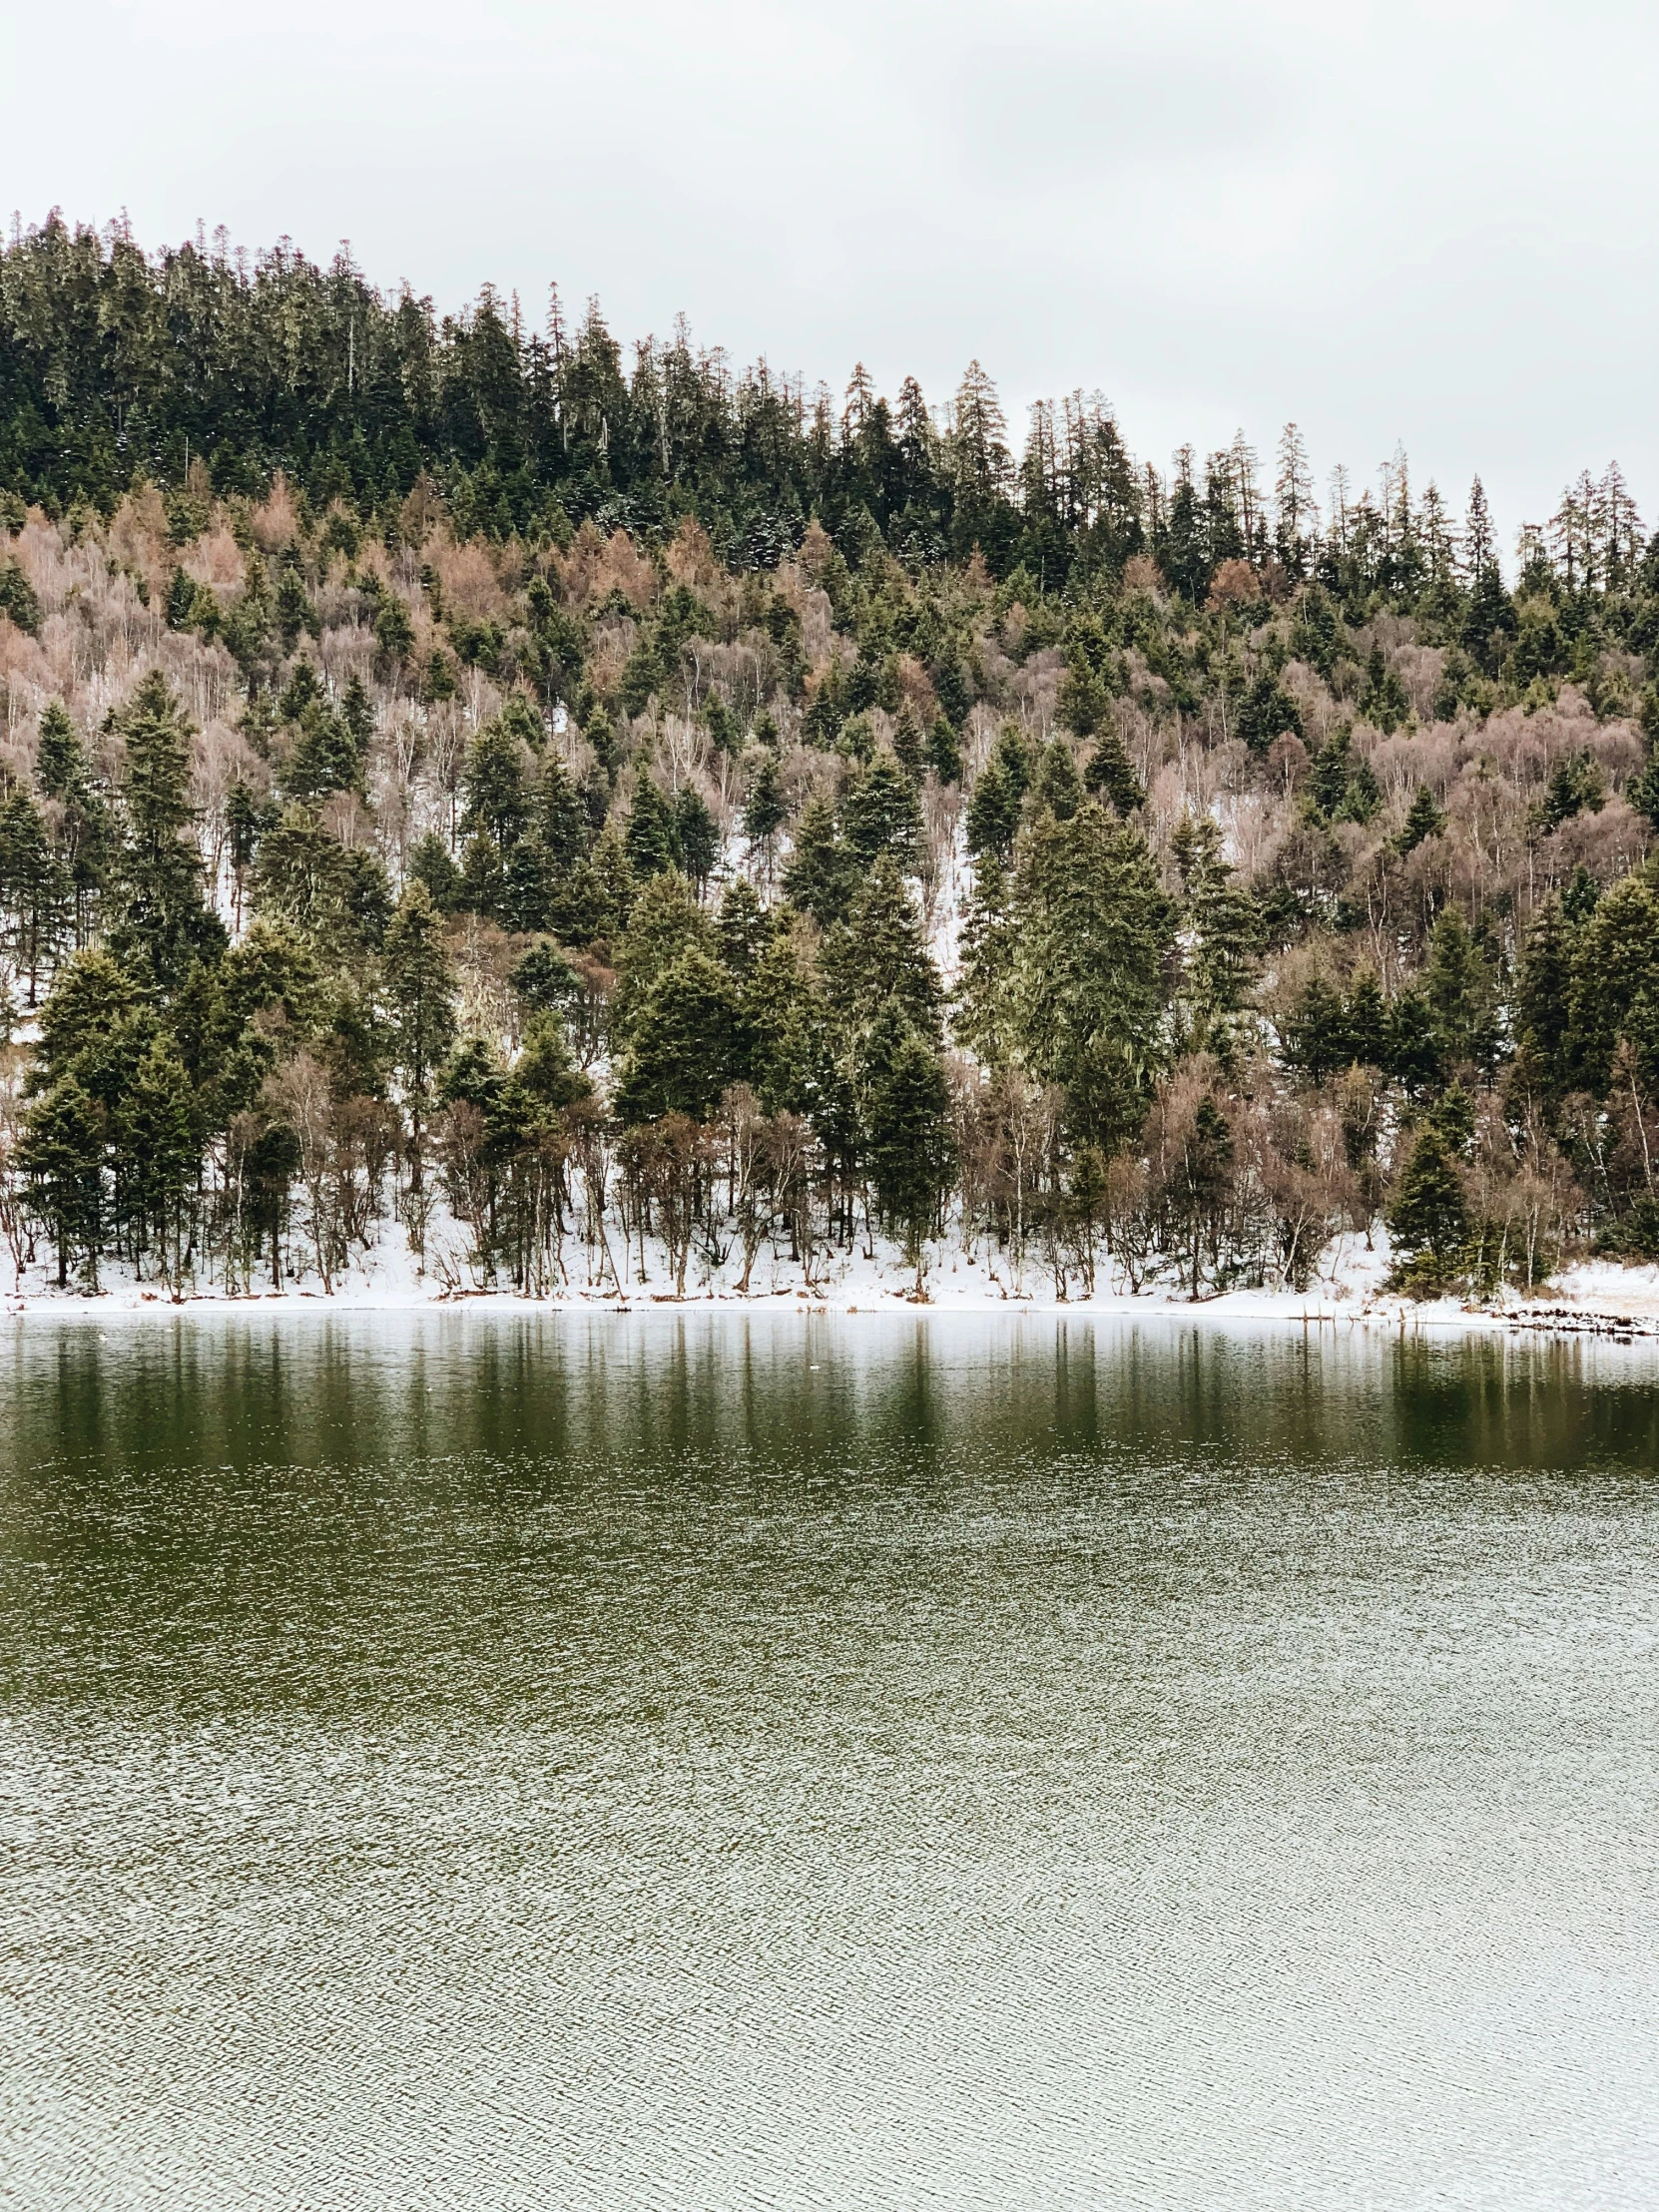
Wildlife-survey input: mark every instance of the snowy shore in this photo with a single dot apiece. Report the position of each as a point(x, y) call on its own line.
point(1596, 1298)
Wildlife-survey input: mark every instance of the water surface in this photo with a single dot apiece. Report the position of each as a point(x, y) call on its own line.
point(668, 1763)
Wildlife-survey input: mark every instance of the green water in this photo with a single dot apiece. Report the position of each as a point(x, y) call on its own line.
point(462, 1761)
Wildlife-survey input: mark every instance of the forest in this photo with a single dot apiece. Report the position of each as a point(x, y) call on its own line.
point(589, 817)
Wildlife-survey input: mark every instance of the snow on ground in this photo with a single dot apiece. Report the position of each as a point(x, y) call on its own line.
point(1597, 1297)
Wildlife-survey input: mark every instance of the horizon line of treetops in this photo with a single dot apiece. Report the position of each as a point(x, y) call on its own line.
point(119, 367)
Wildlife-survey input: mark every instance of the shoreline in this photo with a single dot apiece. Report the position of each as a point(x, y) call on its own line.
point(1566, 1309)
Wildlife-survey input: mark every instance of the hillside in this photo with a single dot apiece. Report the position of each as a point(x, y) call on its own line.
point(467, 799)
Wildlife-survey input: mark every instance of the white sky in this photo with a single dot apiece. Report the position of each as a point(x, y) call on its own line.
point(1428, 224)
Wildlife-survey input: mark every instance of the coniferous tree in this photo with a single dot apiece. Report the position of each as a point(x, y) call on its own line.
point(433, 863)
point(1056, 784)
point(907, 1131)
point(945, 752)
point(985, 1009)
point(998, 796)
point(743, 928)
point(764, 812)
point(1614, 994)
point(420, 999)
point(1094, 934)
point(81, 823)
point(326, 756)
point(91, 998)
point(1424, 819)
point(164, 922)
point(878, 960)
point(497, 800)
point(695, 834)
point(34, 888)
point(652, 841)
point(684, 1042)
point(1428, 1216)
point(156, 1130)
point(821, 874)
point(879, 814)
point(559, 820)
point(1317, 1037)
point(61, 1156)
point(788, 1029)
point(1109, 777)
point(1462, 992)
point(1220, 938)
point(1543, 1005)
point(1368, 1020)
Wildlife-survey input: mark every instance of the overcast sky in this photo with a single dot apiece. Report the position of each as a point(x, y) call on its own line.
point(1424, 224)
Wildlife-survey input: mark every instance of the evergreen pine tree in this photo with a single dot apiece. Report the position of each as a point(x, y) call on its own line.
point(420, 1001)
point(1543, 1000)
point(1581, 896)
point(1416, 1056)
point(90, 998)
point(1462, 991)
point(878, 957)
point(163, 922)
point(907, 1131)
point(652, 836)
point(1576, 785)
point(159, 1154)
point(1367, 1019)
point(821, 874)
point(665, 922)
point(358, 713)
point(1057, 785)
point(61, 1157)
point(1384, 701)
point(945, 752)
point(431, 865)
point(1317, 1037)
point(543, 980)
point(787, 1023)
point(685, 1043)
point(1616, 986)
point(497, 798)
point(34, 888)
point(998, 795)
point(559, 819)
point(986, 1014)
point(743, 928)
point(1093, 933)
point(909, 742)
point(1221, 937)
point(1422, 819)
point(879, 814)
point(1427, 1214)
point(325, 757)
point(1489, 615)
point(1109, 777)
point(763, 810)
point(60, 756)
point(697, 837)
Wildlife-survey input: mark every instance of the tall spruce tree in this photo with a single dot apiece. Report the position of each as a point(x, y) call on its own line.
point(1094, 934)
point(420, 1001)
point(62, 1158)
point(163, 922)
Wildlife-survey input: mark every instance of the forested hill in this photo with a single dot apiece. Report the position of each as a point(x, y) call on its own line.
point(454, 771)
point(115, 363)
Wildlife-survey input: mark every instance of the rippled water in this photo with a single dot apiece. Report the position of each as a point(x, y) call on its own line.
point(695, 1763)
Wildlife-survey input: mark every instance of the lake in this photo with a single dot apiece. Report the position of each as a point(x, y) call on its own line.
point(689, 1761)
